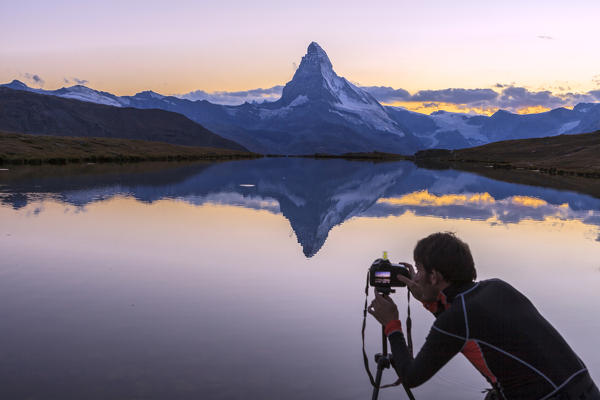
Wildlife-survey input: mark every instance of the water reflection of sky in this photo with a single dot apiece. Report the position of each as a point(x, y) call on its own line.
point(184, 284)
point(317, 195)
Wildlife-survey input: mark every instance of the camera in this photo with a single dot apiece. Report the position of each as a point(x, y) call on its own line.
point(383, 274)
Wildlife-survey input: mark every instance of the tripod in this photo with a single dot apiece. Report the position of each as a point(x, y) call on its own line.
point(384, 360)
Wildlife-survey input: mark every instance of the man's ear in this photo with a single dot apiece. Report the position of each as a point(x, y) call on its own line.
point(436, 278)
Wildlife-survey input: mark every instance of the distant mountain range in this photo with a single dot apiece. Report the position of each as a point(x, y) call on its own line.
point(321, 112)
point(35, 113)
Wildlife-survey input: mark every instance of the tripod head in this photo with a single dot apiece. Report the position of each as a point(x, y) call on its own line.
point(384, 290)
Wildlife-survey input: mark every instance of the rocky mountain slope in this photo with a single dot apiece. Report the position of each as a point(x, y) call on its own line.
point(33, 113)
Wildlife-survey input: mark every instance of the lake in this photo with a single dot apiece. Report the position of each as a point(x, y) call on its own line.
point(245, 279)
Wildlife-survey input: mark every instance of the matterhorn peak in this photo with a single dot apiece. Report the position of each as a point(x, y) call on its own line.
point(316, 80)
point(316, 55)
point(311, 77)
point(316, 85)
point(315, 61)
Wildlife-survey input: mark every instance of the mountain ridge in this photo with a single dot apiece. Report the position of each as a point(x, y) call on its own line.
point(34, 113)
point(321, 112)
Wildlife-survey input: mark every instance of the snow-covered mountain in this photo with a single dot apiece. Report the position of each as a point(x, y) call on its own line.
point(449, 130)
point(316, 81)
point(321, 112)
point(77, 92)
point(318, 112)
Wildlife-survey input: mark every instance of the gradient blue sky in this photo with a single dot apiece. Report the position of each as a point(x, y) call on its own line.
point(180, 46)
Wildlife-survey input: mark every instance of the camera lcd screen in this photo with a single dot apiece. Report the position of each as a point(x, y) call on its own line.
point(383, 274)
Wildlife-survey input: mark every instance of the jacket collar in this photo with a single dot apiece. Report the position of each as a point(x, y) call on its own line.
point(456, 289)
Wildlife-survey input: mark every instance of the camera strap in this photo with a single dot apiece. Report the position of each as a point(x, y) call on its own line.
point(364, 325)
point(408, 337)
point(408, 325)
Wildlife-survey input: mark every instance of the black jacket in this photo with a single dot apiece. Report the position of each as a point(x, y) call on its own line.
point(501, 333)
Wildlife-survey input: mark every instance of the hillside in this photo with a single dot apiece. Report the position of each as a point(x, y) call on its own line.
point(564, 154)
point(40, 114)
point(36, 149)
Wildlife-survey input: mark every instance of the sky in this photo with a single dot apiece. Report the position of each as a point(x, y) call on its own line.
point(179, 47)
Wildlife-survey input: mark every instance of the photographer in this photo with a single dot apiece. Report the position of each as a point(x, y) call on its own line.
point(495, 326)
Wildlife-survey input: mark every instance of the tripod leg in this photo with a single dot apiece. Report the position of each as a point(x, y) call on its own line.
point(380, 366)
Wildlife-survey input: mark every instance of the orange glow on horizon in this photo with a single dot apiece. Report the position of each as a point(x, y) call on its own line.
point(530, 201)
point(425, 198)
point(430, 107)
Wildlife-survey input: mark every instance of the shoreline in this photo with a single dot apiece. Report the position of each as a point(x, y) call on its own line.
point(563, 155)
point(28, 149)
point(535, 156)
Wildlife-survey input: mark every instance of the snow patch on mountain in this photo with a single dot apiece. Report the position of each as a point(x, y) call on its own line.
point(568, 126)
point(149, 94)
point(460, 122)
point(298, 101)
point(83, 93)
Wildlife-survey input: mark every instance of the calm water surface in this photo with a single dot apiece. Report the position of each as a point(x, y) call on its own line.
point(244, 280)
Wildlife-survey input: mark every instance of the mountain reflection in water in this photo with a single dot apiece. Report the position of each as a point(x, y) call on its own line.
point(314, 195)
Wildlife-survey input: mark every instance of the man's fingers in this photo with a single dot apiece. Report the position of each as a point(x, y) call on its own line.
point(387, 299)
point(411, 269)
point(409, 282)
point(380, 298)
point(404, 279)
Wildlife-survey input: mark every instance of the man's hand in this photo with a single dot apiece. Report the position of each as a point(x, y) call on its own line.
point(415, 288)
point(383, 309)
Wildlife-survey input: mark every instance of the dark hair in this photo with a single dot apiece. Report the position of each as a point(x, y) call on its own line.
point(446, 254)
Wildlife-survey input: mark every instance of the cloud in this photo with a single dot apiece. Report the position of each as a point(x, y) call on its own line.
point(515, 97)
point(478, 206)
point(80, 81)
point(595, 94)
point(76, 81)
point(386, 94)
point(235, 98)
point(34, 78)
point(545, 37)
point(507, 96)
point(456, 96)
point(502, 96)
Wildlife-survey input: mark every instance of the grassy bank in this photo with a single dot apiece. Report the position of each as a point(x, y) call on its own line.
point(18, 148)
point(575, 155)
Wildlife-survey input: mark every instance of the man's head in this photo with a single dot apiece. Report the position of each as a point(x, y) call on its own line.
point(443, 259)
